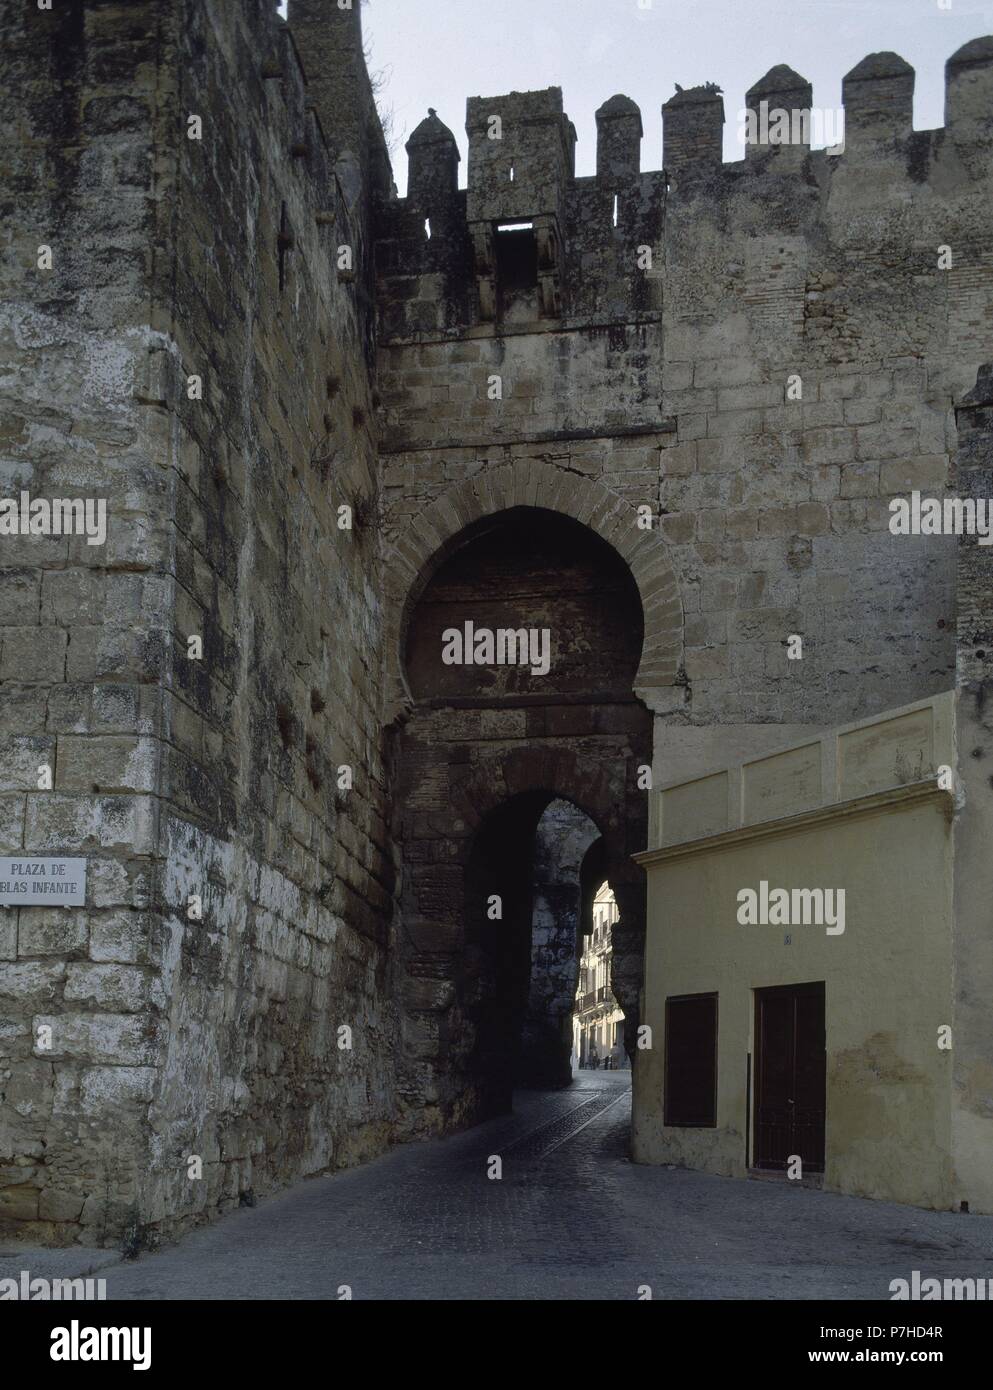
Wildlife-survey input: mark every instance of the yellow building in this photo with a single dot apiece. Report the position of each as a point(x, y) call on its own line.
point(815, 941)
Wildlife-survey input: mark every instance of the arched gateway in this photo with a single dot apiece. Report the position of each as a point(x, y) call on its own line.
point(415, 551)
point(520, 649)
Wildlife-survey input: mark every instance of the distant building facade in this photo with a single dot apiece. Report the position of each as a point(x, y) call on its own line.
point(598, 1022)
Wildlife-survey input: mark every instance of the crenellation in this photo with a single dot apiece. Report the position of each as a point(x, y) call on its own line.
point(619, 136)
point(878, 97)
point(781, 96)
point(433, 167)
point(969, 92)
point(693, 133)
point(589, 233)
point(525, 250)
point(520, 155)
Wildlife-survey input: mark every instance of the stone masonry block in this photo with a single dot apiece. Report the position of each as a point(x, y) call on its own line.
point(119, 988)
point(38, 652)
point(20, 759)
point(927, 474)
point(109, 764)
point(51, 931)
point(116, 1039)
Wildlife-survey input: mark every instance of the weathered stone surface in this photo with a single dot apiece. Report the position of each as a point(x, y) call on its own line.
point(59, 1206)
point(48, 931)
point(214, 777)
point(116, 1039)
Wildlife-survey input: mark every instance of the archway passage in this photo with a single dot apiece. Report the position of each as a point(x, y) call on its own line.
point(530, 915)
point(527, 570)
point(491, 743)
point(417, 545)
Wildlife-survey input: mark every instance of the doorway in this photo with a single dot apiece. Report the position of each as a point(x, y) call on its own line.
point(790, 1076)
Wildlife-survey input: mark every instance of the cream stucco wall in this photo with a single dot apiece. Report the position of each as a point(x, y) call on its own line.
point(859, 809)
point(972, 1095)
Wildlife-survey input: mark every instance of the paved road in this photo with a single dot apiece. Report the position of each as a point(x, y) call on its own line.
point(571, 1217)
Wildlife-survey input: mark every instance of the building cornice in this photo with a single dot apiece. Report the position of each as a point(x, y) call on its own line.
point(895, 798)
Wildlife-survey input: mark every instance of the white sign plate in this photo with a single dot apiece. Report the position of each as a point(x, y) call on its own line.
point(28, 882)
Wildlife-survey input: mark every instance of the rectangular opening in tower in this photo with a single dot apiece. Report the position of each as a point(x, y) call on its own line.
point(517, 267)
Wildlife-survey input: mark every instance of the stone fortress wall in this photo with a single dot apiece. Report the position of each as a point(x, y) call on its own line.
point(669, 386)
point(213, 776)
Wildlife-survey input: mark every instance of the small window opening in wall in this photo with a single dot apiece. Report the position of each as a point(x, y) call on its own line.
point(615, 209)
point(427, 228)
point(516, 258)
point(284, 244)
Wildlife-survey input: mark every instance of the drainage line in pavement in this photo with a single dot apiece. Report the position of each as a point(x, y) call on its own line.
point(550, 1124)
point(559, 1142)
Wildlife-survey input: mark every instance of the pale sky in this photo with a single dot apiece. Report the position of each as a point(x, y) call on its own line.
point(439, 52)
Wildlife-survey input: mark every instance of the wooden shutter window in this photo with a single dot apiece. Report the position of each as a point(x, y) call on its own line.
point(691, 1061)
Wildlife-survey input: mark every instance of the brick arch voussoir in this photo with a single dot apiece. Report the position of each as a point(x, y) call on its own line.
point(476, 791)
point(534, 483)
point(494, 780)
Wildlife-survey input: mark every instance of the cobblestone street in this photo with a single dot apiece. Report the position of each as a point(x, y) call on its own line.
point(571, 1218)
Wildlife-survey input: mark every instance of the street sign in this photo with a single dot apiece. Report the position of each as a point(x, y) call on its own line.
point(28, 882)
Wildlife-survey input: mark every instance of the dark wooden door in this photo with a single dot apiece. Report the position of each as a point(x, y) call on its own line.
point(790, 1067)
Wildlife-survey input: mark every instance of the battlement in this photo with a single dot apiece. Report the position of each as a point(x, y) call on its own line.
point(878, 97)
point(338, 85)
point(877, 100)
point(321, 118)
point(528, 240)
point(505, 249)
point(324, 130)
